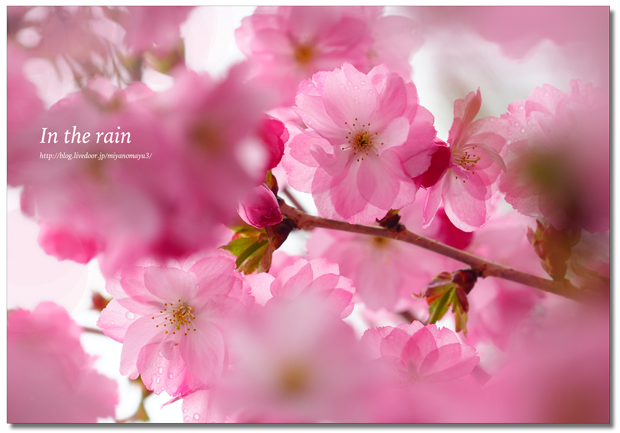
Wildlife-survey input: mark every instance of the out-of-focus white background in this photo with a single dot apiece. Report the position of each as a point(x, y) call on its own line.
point(449, 64)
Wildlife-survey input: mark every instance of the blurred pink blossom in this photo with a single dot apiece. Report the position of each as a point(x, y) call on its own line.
point(290, 44)
point(558, 157)
point(360, 127)
point(414, 352)
point(298, 362)
point(50, 379)
point(469, 182)
point(318, 278)
point(173, 321)
point(154, 28)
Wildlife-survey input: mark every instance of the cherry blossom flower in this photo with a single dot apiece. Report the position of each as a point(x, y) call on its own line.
point(360, 128)
point(289, 44)
point(420, 353)
point(50, 379)
point(318, 278)
point(172, 321)
point(298, 362)
point(200, 155)
point(469, 181)
point(551, 172)
point(154, 28)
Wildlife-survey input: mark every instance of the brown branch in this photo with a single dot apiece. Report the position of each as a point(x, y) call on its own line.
point(484, 267)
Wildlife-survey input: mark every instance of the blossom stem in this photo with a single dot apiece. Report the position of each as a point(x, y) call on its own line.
point(291, 197)
point(484, 268)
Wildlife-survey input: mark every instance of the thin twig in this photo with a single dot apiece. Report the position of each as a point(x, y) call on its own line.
point(293, 200)
point(93, 330)
point(484, 267)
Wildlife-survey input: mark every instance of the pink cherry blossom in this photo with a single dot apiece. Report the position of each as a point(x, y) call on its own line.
point(469, 182)
point(551, 172)
point(360, 129)
point(560, 374)
point(420, 353)
point(50, 379)
point(172, 321)
point(387, 272)
point(204, 157)
point(289, 44)
point(318, 278)
point(154, 28)
point(297, 363)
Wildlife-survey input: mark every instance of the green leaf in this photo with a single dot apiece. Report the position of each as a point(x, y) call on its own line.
point(439, 308)
point(238, 246)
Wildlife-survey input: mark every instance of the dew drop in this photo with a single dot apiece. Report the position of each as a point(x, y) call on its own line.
point(158, 380)
point(161, 370)
point(509, 141)
point(196, 416)
point(356, 88)
point(363, 83)
point(520, 107)
point(159, 353)
point(169, 375)
point(522, 130)
point(517, 123)
point(112, 322)
point(130, 315)
point(185, 410)
point(186, 419)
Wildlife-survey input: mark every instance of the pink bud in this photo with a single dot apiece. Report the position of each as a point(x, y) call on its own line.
point(260, 209)
point(273, 134)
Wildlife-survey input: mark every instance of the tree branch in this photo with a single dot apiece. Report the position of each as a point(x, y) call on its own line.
point(484, 267)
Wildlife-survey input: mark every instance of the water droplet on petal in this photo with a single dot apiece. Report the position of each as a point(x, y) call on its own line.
point(196, 416)
point(509, 141)
point(186, 419)
point(130, 315)
point(522, 130)
point(158, 380)
point(363, 83)
point(517, 123)
point(520, 107)
point(159, 353)
point(161, 370)
point(185, 410)
point(170, 376)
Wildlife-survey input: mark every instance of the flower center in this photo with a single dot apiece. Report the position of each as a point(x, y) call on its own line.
point(467, 160)
point(294, 378)
point(361, 140)
point(177, 319)
point(303, 53)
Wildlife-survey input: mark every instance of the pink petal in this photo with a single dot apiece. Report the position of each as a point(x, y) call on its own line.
point(376, 183)
point(215, 276)
point(170, 284)
point(392, 102)
point(332, 163)
point(433, 200)
point(371, 341)
point(349, 94)
point(394, 135)
point(140, 333)
point(114, 320)
point(440, 359)
point(260, 285)
point(204, 352)
point(418, 347)
point(465, 203)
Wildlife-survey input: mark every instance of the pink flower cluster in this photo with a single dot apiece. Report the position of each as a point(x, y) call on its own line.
point(50, 379)
point(290, 44)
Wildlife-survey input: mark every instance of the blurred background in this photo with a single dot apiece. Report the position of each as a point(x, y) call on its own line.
point(504, 51)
